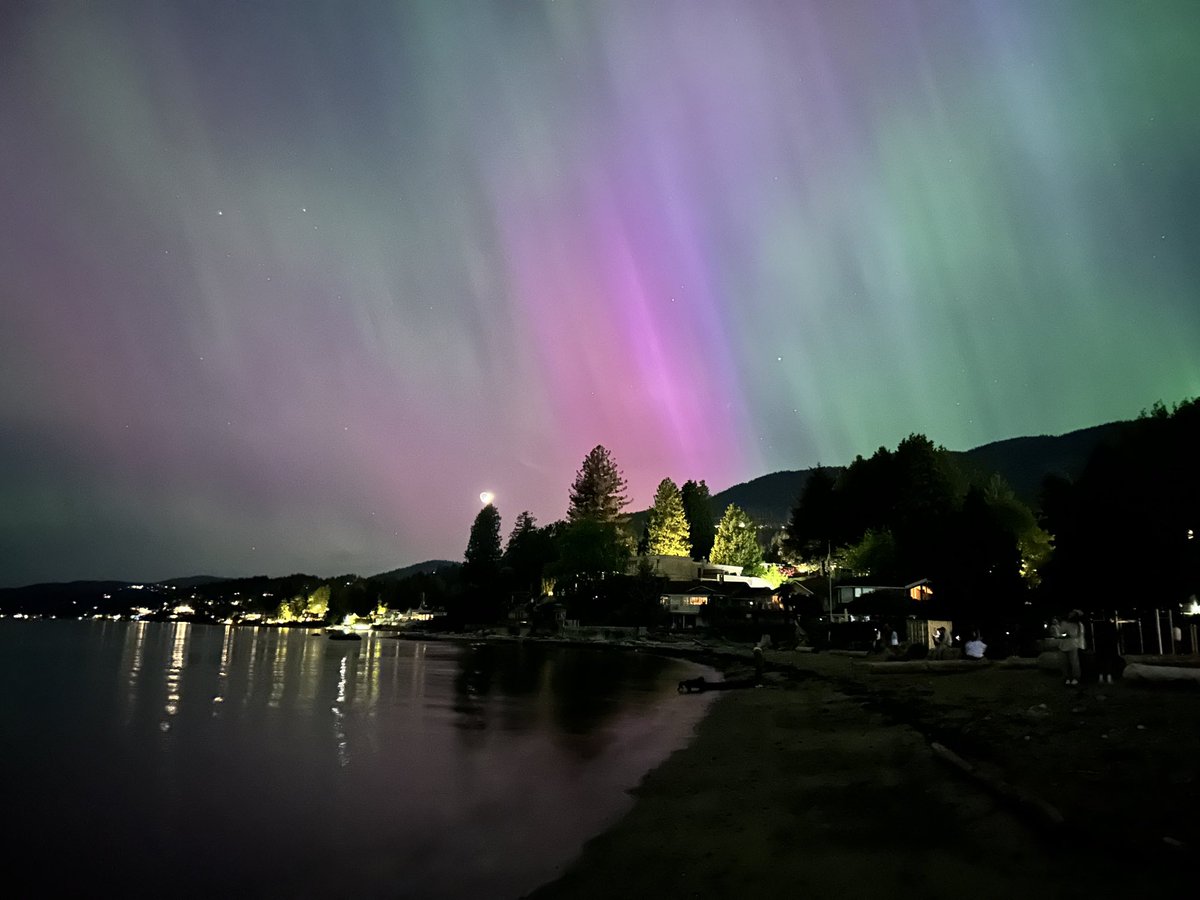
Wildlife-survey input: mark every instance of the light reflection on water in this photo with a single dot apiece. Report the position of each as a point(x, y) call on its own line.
point(179, 633)
point(214, 755)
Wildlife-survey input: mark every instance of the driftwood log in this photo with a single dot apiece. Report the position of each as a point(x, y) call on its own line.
point(1022, 798)
point(911, 666)
point(700, 685)
point(1141, 672)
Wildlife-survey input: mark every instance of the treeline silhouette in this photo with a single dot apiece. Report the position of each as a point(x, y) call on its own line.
point(1127, 530)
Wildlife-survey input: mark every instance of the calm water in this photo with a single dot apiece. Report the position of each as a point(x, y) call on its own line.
point(174, 759)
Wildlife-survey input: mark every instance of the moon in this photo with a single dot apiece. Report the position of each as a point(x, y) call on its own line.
point(486, 497)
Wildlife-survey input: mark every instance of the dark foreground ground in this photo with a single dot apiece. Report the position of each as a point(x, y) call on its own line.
point(827, 782)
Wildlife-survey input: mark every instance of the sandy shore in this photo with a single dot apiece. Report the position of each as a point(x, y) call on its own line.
point(827, 782)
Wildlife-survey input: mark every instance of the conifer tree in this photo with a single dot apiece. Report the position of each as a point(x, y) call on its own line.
point(668, 525)
point(524, 526)
point(482, 559)
point(702, 527)
point(528, 551)
point(812, 530)
point(736, 543)
point(598, 494)
point(593, 545)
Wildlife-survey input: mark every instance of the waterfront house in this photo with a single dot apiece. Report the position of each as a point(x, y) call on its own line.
point(860, 599)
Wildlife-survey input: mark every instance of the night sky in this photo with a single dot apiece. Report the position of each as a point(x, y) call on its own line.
point(284, 286)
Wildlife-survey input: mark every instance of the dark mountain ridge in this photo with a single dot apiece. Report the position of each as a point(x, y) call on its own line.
point(192, 581)
point(428, 567)
point(1024, 462)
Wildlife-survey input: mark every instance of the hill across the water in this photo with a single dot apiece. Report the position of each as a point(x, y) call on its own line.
point(1024, 462)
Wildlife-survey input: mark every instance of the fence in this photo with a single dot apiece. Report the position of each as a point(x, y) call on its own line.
point(1153, 632)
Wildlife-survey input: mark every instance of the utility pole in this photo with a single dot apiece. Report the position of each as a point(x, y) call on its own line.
point(829, 576)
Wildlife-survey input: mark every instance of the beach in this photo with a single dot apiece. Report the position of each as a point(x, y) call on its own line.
point(835, 778)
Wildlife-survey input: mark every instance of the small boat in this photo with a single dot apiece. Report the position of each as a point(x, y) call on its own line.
point(344, 635)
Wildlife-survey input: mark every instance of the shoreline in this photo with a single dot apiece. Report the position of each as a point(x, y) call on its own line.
point(822, 778)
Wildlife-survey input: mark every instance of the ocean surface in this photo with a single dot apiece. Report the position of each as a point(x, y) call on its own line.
point(161, 759)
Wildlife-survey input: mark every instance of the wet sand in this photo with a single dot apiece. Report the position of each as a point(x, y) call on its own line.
point(824, 782)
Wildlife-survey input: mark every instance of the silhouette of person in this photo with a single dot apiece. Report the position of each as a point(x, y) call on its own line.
point(1104, 634)
point(941, 643)
point(1070, 642)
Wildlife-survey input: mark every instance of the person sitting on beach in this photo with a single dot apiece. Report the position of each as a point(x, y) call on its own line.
point(975, 647)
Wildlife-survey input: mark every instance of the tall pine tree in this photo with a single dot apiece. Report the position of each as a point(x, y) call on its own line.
point(702, 525)
point(598, 494)
point(482, 559)
point(593, 545)
point(736, 543)
point(812, 530)
point(667, 528)
point(527, 554)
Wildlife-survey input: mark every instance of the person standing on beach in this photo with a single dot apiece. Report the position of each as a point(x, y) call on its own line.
point(1070, 642)
point(1104, 635)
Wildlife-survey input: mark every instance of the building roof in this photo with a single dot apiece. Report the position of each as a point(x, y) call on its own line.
point(693, 588)
point(865, 584)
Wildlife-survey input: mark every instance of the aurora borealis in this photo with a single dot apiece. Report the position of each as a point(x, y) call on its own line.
point(284, 286)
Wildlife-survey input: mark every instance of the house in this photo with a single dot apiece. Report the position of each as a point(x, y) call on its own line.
point(687, 603)
point(855, 598)
point(683, 568)
point(700, 594)
point(700, 603)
